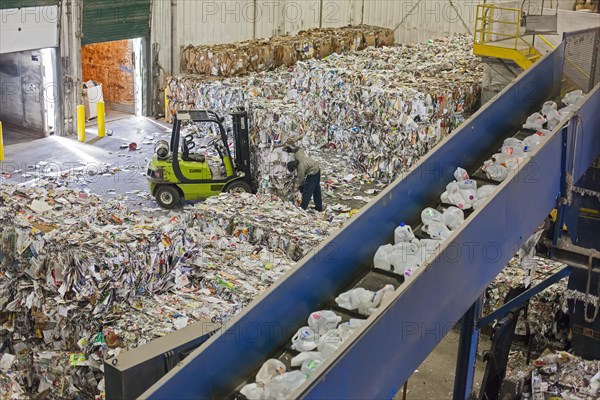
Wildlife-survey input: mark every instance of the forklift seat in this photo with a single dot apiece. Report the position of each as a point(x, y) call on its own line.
point(186, 156)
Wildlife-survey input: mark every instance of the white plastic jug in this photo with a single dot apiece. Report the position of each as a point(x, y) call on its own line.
point(553, 118)
point(304, 340)
point(283, 385)
point(403, 234)
point(437, 230)
point(348, 328)
point(322, 321)
point(453, 217)
point(468, 184)
point(482, 194)
point(535, 121)
point(575, 97)
point(381, 260)
point(548, 107)
point(270, 369)
point(495, 171)
point(402, 259)
point(511, 141)
point(309, 367)
point(254, 392)
point(461, 198)
point(309, 355)
point(515, 151)
point(461, 175)
point(430, 215)
point(509, 162)
point(353, 299)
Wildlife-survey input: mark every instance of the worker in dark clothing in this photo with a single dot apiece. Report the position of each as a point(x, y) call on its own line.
point(309, 177)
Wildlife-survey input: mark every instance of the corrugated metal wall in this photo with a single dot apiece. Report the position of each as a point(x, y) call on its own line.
point(419, 21)
point(160, 32)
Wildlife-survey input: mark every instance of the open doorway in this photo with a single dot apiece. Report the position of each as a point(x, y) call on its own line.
point(28, 95)
point(112, 72)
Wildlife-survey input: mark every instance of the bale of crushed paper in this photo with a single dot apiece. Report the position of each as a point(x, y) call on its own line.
point(240, 58)
point(385, 106)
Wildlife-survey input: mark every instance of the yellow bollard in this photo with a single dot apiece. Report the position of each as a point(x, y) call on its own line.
point(81, 123)
point(101, 119)
point(1, 144)
point(167, 114)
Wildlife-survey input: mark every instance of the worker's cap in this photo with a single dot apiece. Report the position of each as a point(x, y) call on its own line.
point(292, 166)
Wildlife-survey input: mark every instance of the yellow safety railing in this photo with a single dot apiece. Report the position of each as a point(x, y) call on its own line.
point(498, 34)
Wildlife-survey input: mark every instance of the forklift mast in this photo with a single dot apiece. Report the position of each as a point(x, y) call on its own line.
point(242, 144)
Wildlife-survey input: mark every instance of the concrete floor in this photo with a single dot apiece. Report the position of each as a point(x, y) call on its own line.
point(434, 379)
point(99, 165)
point(13, 134)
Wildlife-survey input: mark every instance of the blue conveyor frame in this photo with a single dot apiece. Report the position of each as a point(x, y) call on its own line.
point(400, 335)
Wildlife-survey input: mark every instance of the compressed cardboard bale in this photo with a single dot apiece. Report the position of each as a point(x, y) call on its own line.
point(258, 55)
point(323, 46)
point(284, 53)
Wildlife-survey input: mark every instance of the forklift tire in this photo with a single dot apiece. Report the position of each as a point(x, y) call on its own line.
point(238, 187)
point(168, 197)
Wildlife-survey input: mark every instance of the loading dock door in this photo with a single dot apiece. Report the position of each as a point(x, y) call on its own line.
point(117, 20)
point(28, 28)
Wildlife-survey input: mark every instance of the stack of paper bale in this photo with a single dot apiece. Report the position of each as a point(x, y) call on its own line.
point(257, 55)
point(385, 106)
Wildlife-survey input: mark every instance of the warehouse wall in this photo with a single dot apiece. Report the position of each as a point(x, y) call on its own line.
point(110, 64)
point(21, 95)
point(223, 21)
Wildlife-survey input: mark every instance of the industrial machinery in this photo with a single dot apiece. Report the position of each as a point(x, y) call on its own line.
point(392, 342)
point(175, 172)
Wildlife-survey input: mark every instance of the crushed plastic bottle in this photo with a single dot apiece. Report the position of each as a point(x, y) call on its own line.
point(482, 194)
point(433, 224)
point(495, 171)
point(255, 392)
point(365, 301)
point(381, 260)
point(283, 385)
point(455, 196)
point(269, 370)
point(453, 217)
point(403, 234)
point(511, 141)
point(548, 107)
point(535, 122)
point(309, 355)
point(322, 321)
point(348, 328)
point(534, 141)
point(304, 340)
point(329, 342)
point(309, 366)
point(467, 184)
point(515, 151)
point(404, 257)
point(461, 175)
point(355, 298)
point(553, 117)
point(509, 162)
point(430, 215)
point(575, 97)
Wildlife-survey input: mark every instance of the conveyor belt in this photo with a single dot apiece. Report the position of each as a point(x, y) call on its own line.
point(398, 336)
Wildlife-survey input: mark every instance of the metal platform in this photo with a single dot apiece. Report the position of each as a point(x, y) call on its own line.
point(400, 334)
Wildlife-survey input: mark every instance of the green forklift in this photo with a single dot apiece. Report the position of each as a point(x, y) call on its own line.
point(176, 172)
